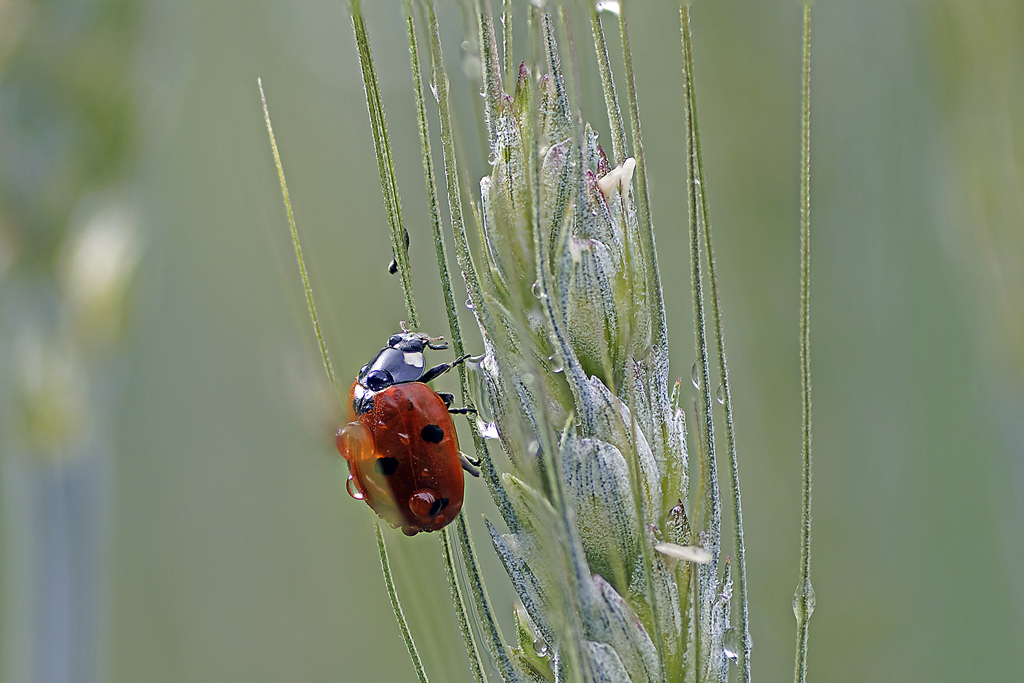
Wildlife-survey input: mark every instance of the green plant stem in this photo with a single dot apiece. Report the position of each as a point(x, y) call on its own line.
point(385, 162)
point(298, 248)
point(711, 512)
point(739, 549)
point(397, 606)
point(805, 592)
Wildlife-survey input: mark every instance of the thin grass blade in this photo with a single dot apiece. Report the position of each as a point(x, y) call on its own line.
point(738, 563)
point(298, 248)
point(396, 605)
point(710, 519)
point(803, 601)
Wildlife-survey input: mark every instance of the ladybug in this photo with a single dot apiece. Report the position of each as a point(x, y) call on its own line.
point(402, 452)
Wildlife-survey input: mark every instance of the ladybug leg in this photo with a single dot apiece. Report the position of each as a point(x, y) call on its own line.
point(469, 464)
point(448, 399)
point(439, 370)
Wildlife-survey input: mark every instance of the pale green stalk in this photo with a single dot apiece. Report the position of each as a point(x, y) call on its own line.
point(803, 601)
point(711, 499)
point(730, 433)
point(428, 173)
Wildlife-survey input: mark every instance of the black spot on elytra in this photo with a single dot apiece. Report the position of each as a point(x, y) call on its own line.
point(432, 434)
point(386, 466)
point(439, 504)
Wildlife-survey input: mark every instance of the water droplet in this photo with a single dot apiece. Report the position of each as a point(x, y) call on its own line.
point(611, 6)
point(469, 304)
point(527, 378)
point(731, 645)
point(720, 394)
point(695, 376)
point(807, 589)
point(534, 447)
point(353, 488)
point(478, 391)
point(488, 430)
point(540, 647)
point(556, 363)
point(535, 288)
point(467, 46)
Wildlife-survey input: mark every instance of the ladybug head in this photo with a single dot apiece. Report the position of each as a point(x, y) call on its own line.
point(378, 380)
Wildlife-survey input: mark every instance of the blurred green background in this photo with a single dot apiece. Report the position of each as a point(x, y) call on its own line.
point(228, 547)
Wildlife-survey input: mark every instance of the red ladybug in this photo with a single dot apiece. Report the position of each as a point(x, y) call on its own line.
point(402, 451)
